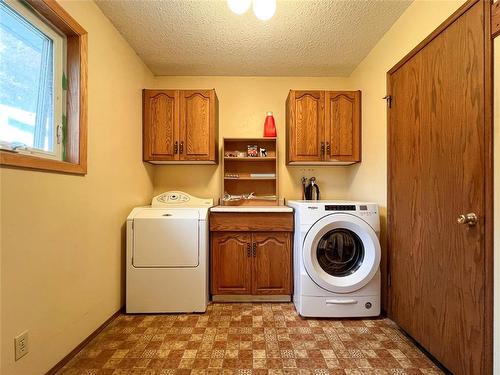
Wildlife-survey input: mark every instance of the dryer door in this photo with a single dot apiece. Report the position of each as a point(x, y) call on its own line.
point(341, 253)
point(166, 238)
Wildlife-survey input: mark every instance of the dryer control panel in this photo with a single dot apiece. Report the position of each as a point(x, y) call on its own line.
point(180, 199)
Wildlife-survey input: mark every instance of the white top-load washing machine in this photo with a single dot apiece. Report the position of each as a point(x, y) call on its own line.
point(167, 255)
point(336, 259)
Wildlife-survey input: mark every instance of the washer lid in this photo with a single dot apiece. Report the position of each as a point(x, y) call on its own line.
point(341, 253)
point(166, 238)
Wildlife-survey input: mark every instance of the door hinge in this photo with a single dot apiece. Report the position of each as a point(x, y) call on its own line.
point(388, 99)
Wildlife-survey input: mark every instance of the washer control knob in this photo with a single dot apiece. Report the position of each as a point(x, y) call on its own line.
point(368, 305)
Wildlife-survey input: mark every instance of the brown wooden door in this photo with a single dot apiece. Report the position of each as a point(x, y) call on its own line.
point(343, 125)
point(436, 171)
point(271, 263)
point(305, 126)
point(160, 125)
point(231, 262)
point(197, 125)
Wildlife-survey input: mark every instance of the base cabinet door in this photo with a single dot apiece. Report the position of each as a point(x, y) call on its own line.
point(272, 263)
point(231, 263)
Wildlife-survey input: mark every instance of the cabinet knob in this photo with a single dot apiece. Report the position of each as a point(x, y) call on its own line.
point(248, 249)
point(254, 249)
point(181, 149)
point(328, 148)
point(176, 147)
point(322, 149)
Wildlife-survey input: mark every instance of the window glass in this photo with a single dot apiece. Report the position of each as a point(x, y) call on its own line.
point(28, 107)
point(340, 252)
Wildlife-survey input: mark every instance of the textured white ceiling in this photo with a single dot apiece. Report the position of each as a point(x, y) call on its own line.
point(203, 37)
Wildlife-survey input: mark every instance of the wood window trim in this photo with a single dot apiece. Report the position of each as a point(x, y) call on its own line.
point(76, 110)
point(495, 18)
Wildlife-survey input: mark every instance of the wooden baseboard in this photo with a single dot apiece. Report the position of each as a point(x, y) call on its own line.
point(80, 346)
point(251, 298)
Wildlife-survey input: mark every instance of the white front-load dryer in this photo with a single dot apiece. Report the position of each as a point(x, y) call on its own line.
point(336, 259)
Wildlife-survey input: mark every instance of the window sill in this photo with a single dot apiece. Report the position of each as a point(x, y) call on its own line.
point(32, 162)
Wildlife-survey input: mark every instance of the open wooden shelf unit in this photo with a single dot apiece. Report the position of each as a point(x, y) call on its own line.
point(238, 173)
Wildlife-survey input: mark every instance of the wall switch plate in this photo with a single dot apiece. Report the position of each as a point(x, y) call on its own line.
point(21, 345)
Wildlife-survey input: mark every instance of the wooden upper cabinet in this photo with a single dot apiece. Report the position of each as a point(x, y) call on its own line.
point(180, 126)
point(323, 127)
point(161, 113)
point(306, 119)
point(231, 263)
point(272, 263)
point(197, 125)
point(342, 120)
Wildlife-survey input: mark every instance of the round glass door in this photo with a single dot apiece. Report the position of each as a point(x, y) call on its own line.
point(340, 252)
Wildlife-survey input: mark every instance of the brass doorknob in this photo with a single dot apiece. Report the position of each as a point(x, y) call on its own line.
point(470, 219)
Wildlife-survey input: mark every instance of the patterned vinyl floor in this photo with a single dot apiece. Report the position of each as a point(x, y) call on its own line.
point(249, 339)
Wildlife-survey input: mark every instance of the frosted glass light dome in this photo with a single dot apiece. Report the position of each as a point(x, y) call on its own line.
point(239, 6)
point(264, 9)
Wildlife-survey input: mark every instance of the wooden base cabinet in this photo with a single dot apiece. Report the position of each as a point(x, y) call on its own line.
point(257, 263)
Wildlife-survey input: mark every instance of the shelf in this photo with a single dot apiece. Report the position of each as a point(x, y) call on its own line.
point(258, 158)
point(250, 178)
point(248, 169)
point(257, 139)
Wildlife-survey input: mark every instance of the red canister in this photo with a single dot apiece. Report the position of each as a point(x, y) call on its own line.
point(269, 125)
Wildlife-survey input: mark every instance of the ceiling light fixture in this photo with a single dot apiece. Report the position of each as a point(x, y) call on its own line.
point(264, 9)
point(239, 6)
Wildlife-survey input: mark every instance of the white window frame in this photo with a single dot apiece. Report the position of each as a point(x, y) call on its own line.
point(58, 54)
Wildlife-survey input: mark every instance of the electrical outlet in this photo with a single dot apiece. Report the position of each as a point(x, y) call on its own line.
point(21, 345)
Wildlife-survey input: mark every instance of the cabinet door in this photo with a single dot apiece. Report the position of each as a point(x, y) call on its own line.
point(231, 269)
point(272, 263)
point(343, 125)
point(160, 125)
point(198, 131)
point(305, 126)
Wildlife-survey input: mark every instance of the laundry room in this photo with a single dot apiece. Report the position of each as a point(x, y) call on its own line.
point(249, 187)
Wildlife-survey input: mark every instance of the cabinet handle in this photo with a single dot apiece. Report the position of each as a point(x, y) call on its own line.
point(322, 149)
point(328, 148)
point(254, 249)
point(176, 147)
point(248, 249)
point(181, 149)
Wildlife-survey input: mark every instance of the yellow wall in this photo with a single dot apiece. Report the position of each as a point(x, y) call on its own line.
point(62, 245)
point(70, 246)
point(243, 103)
point(368, 180)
